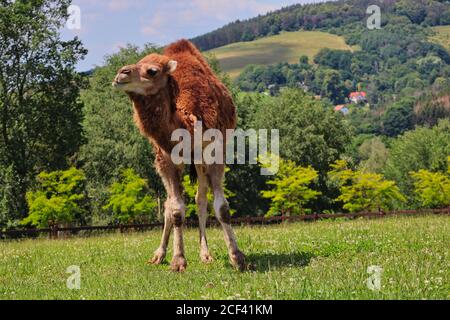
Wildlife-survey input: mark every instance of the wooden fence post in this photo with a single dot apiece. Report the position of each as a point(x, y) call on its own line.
point(54, 231)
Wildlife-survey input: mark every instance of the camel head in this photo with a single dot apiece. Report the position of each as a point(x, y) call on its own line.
point(147, 77)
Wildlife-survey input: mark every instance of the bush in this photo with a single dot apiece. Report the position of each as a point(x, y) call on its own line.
point(291, 193)
point(365, 191)
point(422, 148)
point(130, 201)
point(60, 199)
point(432, 189)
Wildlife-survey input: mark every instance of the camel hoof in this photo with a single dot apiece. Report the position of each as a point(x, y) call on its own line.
point(178, 264)
point(158, 258)
point(238, 260)
point(206, 258)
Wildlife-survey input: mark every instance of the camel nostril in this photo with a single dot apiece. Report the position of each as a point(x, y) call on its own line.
point(125, 71)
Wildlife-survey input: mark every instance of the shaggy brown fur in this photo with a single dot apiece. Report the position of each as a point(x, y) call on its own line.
point(192, 93)
point(172, 91)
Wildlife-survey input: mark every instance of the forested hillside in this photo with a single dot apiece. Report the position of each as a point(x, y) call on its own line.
point(406, 59)
point(284, 47)
point(325, 16)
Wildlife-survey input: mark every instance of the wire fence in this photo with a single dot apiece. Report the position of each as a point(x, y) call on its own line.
point(56, 231)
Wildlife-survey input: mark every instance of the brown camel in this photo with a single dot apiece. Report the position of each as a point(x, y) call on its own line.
point(174, 91)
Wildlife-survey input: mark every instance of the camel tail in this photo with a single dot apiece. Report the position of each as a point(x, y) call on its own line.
point(183, 46)
point(193, 174)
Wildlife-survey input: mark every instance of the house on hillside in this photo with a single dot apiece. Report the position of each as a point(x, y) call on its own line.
point(342, 108)
point(357, 97)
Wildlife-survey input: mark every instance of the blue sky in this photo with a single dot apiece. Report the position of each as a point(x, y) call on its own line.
point(107, 25)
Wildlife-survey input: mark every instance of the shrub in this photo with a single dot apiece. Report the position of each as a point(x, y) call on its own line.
point(432, 189)
point(291, 193)
point(130, 201)
point(59, 199)
point(365, 191)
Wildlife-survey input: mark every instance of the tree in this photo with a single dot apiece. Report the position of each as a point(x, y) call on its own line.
point(365, 191)
point(415, 10)
point(39, 111)
point(432, 189)
point(422, 148)
point(130, 200)
point(333, 87)
point(399, 118)
point(374, 154)
point(311, 134)
point(291, 190)
point(59, 199)
point(433, 107)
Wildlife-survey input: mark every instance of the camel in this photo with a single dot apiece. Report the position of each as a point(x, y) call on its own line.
point(172, 91)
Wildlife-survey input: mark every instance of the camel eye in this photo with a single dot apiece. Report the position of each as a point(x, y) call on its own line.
point(152, 72)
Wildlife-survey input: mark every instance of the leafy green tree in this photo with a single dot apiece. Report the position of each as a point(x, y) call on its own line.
point(333, 87)
point(59, 199)
point(130, 200)
point(399, 118)
point(291, 190)
point(311, 134)
point(432, 189)
point(415, 10)
point(373, 154)
point(40, 113)
point(422, 148)
point(365, 191)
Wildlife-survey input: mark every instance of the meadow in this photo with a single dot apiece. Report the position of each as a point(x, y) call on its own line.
point(442, 36)
point(320, 260)
point(285, 47)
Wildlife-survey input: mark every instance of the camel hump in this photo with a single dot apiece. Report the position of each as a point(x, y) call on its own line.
point(182, 46)
point(185, 46)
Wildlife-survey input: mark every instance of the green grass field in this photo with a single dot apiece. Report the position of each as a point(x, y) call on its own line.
point(285, 47)
point(442, 36)
point(321, 260)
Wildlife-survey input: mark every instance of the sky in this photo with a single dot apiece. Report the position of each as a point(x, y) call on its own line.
point(107, 25)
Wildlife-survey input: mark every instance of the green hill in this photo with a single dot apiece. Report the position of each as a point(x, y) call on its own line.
point(442, 36)
point(285, 47)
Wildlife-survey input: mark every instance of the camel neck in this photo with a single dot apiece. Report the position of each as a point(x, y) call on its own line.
point(156, 115)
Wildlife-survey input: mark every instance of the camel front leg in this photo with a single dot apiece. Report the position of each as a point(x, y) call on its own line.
point(174, 213)
point(178, 215)
point(222, 211)
point(160, 253)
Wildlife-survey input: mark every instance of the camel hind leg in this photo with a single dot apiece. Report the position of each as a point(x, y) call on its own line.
point(215, 174)
point(201, 200)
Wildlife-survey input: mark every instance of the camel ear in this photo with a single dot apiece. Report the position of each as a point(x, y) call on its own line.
point(171, 66)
